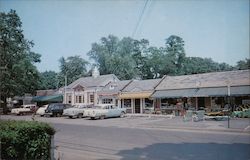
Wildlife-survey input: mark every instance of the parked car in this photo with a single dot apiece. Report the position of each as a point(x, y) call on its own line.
point(24, 109)
point(41, 110)
point(56, 109)
point(76, 111)
point(102, 111)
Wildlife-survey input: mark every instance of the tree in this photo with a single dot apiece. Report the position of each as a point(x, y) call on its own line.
point(176, 51)
point(18, 74)
point(124, 58)
point(48, 80)
point(243, 64)
point(73, 68)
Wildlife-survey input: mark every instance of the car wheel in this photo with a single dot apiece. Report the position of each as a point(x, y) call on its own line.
point(58, 115)
point(102, 117)
point(122, 115)
point(80, 115)
point(70, 116)
point(93, 118)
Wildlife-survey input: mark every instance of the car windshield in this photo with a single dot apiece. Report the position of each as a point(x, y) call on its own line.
point(79, 106)
point(98, 107)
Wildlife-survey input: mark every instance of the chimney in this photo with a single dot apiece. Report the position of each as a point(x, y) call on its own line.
point(95, 72)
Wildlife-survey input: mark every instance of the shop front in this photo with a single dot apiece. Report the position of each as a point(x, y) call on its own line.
point(137, 102)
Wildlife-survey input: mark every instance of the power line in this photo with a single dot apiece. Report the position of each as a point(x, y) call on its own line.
point(140, 18)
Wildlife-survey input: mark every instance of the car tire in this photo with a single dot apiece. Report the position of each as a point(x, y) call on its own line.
point(93, 118)
point(102, 117)
point(79, 115)
point(70, 116)
point(122, 115)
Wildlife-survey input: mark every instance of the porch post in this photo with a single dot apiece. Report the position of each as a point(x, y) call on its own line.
point(142, 105)
point(196, 103)
point(132, 105)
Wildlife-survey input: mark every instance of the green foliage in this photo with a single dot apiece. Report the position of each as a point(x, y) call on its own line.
point(18, 75)
point(125, 58)
point(73, 67)
point(48, 80)
point(25, 139)
point(243, 64)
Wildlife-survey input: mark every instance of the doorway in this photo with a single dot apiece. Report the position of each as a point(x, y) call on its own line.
point(137, 106)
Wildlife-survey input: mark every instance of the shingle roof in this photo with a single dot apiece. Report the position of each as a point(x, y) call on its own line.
point(114, 87)
point(214, 79)
point(141, 85)
point(93, 82)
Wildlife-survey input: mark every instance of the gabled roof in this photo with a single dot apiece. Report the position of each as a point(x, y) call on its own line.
point(99, 81)
point(141, 85)
point(214, 79)
point(114, 87)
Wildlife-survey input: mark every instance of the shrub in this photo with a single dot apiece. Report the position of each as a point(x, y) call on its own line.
point(25, 139)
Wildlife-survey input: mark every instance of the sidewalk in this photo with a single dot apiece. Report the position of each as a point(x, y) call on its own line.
point(238, 125)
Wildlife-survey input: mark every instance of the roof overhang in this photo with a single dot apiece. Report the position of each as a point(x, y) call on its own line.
point(133, 95)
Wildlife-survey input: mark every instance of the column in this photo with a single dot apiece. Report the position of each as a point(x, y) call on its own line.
point(73, 98)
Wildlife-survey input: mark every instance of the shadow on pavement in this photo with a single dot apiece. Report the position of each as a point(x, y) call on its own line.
point(189, 151)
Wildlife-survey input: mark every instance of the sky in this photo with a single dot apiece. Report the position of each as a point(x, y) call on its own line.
point(217, 29)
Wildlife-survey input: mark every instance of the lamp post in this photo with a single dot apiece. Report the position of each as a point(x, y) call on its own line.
point(228, 101)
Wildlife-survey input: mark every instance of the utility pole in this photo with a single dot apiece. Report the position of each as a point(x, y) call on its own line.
point(1, 85)
point(65, 85)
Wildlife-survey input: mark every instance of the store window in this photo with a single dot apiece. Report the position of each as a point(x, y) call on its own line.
point(148, 103)
point(168, 103)
point(127, 103)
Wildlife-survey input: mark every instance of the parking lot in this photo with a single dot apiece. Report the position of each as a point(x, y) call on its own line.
point(237, 125)
point(147, 137)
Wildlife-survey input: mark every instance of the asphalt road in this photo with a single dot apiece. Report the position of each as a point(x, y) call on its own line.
point(147, 138)
point(95, 142)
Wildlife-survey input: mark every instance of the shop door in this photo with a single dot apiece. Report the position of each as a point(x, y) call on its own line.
point(137, 106)
point(201, 103)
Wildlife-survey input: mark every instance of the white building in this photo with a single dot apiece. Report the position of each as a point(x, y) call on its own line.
point(84, 90)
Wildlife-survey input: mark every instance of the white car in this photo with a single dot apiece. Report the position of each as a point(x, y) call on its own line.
point(102, 111)
point(41, 110)
point(76, 111)
point(24, 109)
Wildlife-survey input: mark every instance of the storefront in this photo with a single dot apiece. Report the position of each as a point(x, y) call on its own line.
point(137, 102)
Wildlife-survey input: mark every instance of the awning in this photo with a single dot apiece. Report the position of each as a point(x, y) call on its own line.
point(175, 93)
point(240, 90)
point(210, 92)
point(52, 98)
point(202, 92)
point(135, 95)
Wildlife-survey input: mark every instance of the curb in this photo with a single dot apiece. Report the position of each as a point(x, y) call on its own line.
point(198, 129)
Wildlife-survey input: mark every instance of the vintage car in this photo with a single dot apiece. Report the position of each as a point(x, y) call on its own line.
point(56, 109)
point(76, 111)
point(102, 111)
point(41, 110)
point(24, 109)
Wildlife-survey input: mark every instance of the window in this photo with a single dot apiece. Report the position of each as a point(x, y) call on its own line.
point(107, 101)
point(148, 103)
point(127, 103)
point(91, 98)
point(79, 99)
point(68, 98)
